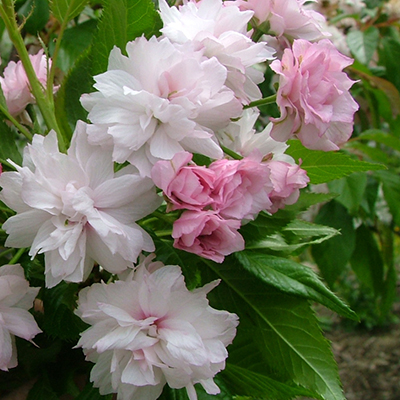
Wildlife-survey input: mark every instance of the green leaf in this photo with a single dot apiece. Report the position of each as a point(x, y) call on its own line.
point(363, 44)
point(60, 320)
point(379, 136)
point(8, 147)
point(391, 190)
point(292, 278)
point(278, 335)
point(42, 390)
point(351, 190)
point(75, 42)
point(65, 10)
point(79, 81)
point(121, 22)
point(262, 386)
point(306, 200)
point(333, 255)
point(366, 260)
point(37, 15)
point(389, 56)
point(91, 393)
point(294, 236)
point(324, 166)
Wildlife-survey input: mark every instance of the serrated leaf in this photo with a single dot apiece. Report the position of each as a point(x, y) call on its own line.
point(262, 386)
point(295, 235)
point(363, 44)
point(351, 190)
point(324, 166)
point(59, 304)
point(333, 255)
point(366, 260)
point(75, 42)
point(292, 278)
point(8, 148)
point(65, 10)
point(37, 15)
point(123, 21)
point(278, 334)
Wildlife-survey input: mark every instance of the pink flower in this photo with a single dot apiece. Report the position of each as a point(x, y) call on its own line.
point(150, 330)
point(16, 298)
point(287, 179)
point(207, 234)
point(241, 188)
point(157, 101)
point(286, 17)
point(15, 84)
point(313, 96)
point(73, 208)
point(220, 32)
point(185, 186)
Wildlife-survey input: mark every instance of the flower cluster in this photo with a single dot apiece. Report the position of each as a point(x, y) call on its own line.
point(191, 90)
point(148, 330)
point(216, 199)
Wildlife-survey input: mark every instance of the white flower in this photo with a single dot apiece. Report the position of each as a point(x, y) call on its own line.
point(150, 330)
point(241, 137)
point(16, 297)
point(221, 32)
point(73, 208)
point(159, 100)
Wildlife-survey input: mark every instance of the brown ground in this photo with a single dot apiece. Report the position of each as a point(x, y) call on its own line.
point(369, 362)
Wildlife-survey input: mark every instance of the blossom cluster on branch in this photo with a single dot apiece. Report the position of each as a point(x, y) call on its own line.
point(162, 102)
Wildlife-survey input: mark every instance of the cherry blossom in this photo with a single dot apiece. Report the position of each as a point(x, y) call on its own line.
point(15, 84)
point(220, 32)
point(313, 96)
point(75, 209)
point(149, 330)
point(159, 100)
point(16, 298)
point(289, 18)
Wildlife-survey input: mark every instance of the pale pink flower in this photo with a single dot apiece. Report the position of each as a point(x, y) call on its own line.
point(241, 137)
point(286, 18)
point(220, 32)
point(207, 234)
point(150, 330)
point(159, 100)
point(287, 180)
point(75, 209)
point(241, 188)
point(15, 84)
point(186, 186)
point(16, 298)
point(313, 96)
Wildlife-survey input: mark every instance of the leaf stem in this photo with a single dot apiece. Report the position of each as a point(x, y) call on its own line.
point(262, 102)
point(231, 153)
point(17, 256)
point(19, 126)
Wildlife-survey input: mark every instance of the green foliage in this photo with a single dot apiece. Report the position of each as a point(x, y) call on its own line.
point(65, 10)
point(279, 334)
point(60, 320)
point(324, 166)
